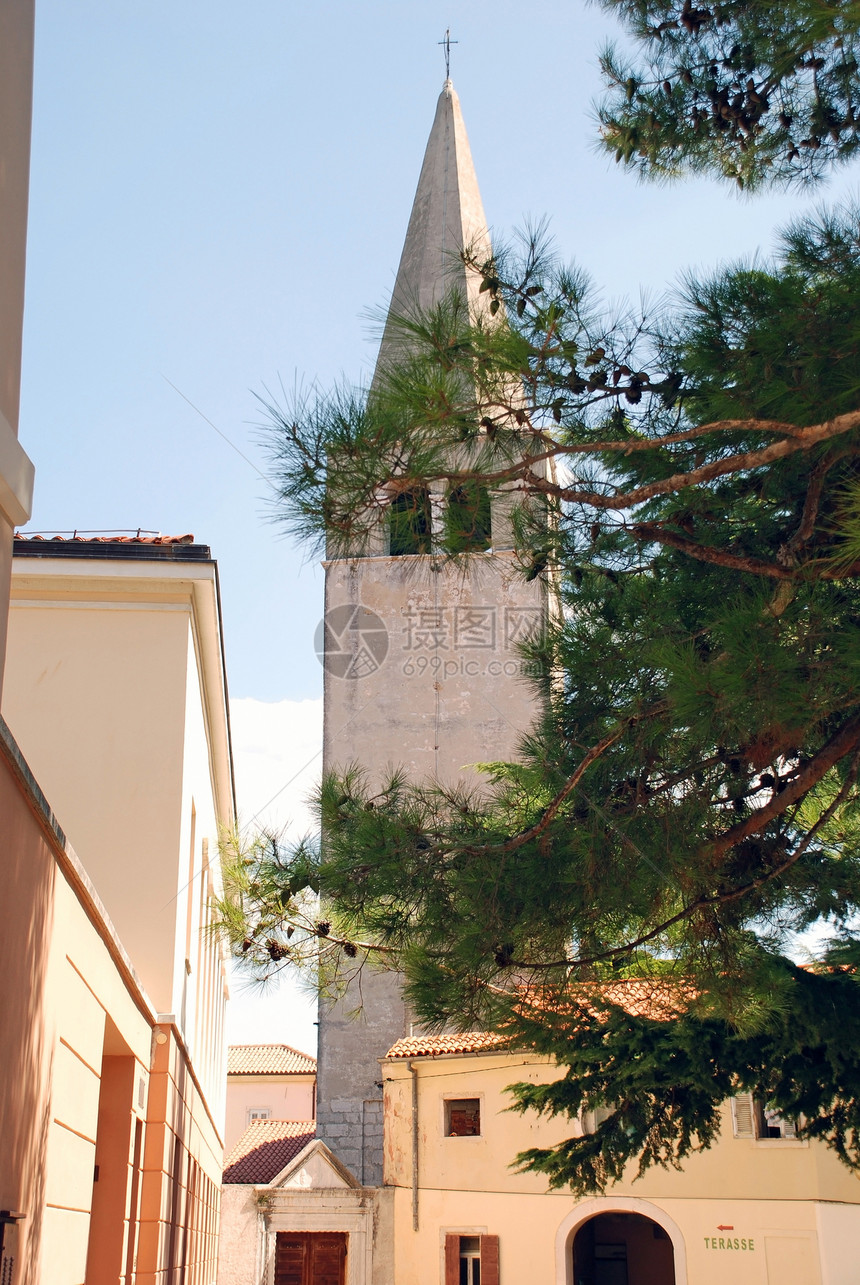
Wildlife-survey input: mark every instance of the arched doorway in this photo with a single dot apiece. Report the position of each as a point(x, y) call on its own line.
point(621, 1248)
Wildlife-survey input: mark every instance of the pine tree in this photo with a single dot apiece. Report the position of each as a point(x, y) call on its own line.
point(688, 484)
point(761, 93)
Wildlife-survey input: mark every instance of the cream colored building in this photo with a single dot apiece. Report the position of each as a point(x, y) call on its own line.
point(292, 1212)
point(753, 1210)
point(116, 694)
point(113, 1088)
point(267, 1082)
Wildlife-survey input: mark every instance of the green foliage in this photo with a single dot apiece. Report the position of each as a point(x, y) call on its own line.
point(761, 93)
point(665, 1081)
point(685, 483)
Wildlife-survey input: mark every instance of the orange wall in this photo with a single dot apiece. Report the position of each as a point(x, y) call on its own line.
point(27, 876)
point(181, 1175)
point(88, 1073)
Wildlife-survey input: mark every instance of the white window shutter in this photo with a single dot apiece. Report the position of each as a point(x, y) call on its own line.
point(743, 1115)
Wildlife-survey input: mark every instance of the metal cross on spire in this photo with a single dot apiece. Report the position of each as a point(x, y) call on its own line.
point(447, 43)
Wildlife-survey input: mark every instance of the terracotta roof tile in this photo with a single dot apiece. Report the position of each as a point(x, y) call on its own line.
point(653, 998)
point(648, 997)
point(268, 1059)
point(93, 538)
point(438, 1045)
point(265, 1147)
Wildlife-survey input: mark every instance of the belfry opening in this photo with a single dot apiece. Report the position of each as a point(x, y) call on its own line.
point(620, 1248)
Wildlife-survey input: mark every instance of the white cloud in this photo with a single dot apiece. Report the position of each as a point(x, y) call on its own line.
point(277, 757)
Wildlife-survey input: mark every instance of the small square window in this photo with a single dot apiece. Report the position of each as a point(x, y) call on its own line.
point(462, 1117)
point(753, 1119)
point(772, 1125)
point(259, 1113)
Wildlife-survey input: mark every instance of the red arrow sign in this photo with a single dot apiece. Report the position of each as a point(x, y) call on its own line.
point(724, 1227)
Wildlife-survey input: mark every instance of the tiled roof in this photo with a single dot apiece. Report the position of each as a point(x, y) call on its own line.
point(438, 1045)
point(653, 998)
point(142, 546)
point(265, 1147)
point(268, 1059)
point(149, 537)
point(648, 997)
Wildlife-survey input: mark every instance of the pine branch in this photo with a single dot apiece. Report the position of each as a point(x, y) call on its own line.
point(716, 557)
point(802, 440)
point(832, 752)
point(552, 809)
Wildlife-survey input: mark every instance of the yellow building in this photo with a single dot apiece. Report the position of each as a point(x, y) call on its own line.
point(758, 1208)
point(112, 1101)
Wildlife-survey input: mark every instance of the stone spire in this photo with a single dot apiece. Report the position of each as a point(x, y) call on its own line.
point(447, 215)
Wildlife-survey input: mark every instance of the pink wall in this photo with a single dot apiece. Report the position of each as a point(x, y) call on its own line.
point(288, 1098)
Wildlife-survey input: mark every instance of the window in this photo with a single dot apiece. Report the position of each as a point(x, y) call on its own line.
point(751, 1119)
point(468, 518)
point(409, 527)
point(462, 1117)
point(471, 1260)
point(589, 1120)
point(772, 1125)
point(259, 1113)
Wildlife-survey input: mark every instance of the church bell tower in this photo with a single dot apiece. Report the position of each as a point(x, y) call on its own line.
point(422, 661)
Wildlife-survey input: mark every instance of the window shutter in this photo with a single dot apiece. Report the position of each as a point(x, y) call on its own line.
point(452, 1260)
point(489, 1260)
point(743, 1115)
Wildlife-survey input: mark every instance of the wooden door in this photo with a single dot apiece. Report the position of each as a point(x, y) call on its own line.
point(310, 1258)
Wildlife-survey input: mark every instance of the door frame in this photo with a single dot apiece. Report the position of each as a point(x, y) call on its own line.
point(587, 1209)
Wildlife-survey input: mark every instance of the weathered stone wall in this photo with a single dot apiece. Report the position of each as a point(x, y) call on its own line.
point(438, 684)
point(349, 1096)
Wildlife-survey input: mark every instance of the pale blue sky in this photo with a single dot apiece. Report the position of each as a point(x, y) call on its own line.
point(218, 192)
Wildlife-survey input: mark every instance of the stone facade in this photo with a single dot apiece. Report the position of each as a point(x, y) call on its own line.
point(440, 684)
